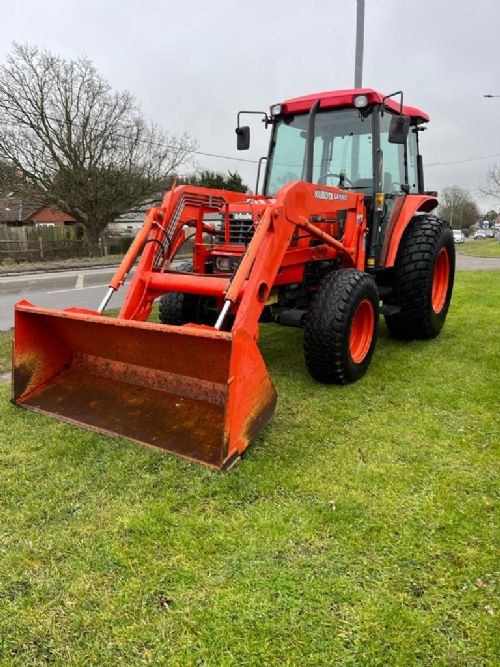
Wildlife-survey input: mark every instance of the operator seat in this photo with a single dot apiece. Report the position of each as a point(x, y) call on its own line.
point(364, 185)
point(388, 185)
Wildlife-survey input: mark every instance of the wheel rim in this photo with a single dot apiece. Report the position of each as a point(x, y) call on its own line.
point(361, 334)
point(441, 280)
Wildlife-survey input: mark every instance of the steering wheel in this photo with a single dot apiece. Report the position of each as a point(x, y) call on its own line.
point(341, 177)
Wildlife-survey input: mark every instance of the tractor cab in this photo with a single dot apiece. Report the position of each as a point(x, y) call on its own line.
point(356, 140)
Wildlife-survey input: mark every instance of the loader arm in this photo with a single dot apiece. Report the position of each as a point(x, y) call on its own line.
point(247, 292)
point(183, 206)
point(295, 204)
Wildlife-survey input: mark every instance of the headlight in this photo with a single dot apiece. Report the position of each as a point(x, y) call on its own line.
point(223, 263)
point(276, 109)
point(360, 101)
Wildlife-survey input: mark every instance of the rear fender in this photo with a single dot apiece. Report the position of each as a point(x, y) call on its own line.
point(404, 209)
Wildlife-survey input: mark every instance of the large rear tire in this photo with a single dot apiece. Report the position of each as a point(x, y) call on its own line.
point(341, 327)
point(423, 279)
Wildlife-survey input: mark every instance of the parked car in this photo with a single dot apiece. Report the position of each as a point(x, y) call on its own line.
point(489, 233)
point(479, 234)
point(458, 236)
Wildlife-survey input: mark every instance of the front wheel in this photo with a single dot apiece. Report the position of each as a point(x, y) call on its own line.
point(342, 326)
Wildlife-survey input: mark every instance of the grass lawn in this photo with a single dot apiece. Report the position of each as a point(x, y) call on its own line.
point(63, 264)
point(481, 248)
point(360, 529)
point(51, 265)
point(5, 351)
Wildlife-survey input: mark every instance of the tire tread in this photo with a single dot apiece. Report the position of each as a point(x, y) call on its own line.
point(414, 271)
point(327, 326)
point(174, 306)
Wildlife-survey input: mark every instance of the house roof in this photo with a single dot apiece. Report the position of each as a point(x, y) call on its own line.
point(13, 209)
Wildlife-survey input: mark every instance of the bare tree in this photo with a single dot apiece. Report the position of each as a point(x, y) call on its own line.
point(76, 143)
point(458, 207)
point(492, 188)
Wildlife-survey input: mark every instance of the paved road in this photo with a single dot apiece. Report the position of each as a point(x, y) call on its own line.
point(81, 288)
point(469, 263)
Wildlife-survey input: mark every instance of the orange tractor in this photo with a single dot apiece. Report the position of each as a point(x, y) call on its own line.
point(343, 232)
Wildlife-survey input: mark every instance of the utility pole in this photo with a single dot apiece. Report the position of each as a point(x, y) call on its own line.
point(360, 37)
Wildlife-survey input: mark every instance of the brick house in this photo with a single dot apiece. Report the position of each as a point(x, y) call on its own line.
point(48, 216)
point(15, 212)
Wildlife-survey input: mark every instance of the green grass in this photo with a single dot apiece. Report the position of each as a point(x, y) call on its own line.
point(63, 264)
point(360, 529)
point(481, 248)
point(5, 350)
point(60, 264)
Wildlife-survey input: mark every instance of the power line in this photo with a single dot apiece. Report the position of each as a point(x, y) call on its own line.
point(469, 159)
point(223, 157)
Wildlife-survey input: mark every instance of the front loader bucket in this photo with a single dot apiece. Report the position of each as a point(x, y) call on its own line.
point(197, 392)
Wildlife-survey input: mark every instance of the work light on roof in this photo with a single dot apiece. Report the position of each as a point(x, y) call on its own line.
point(360, 101)
point(276, 109)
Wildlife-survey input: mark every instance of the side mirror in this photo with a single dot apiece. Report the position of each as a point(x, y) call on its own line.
point(398, 129)
point(243, 141)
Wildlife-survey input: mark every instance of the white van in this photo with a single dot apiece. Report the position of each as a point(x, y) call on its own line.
point(458, 236)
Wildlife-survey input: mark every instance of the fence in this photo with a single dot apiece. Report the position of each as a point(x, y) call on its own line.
point(25, 244)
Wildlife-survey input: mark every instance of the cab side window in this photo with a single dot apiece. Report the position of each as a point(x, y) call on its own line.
point(393, 172)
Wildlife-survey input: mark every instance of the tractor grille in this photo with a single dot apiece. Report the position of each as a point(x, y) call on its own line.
point(240, 228)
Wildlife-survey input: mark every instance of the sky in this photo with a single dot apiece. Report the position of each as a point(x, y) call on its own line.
point(194, 65)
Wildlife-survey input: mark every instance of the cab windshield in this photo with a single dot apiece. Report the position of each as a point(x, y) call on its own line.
point(343, 155)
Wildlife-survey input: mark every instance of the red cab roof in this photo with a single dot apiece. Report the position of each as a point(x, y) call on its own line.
point(344, 98)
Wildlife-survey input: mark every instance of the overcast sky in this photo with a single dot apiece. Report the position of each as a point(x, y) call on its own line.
point(193, 65)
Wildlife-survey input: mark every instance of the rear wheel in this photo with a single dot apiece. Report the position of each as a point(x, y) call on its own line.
point(423, 279)
point(341, 327)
